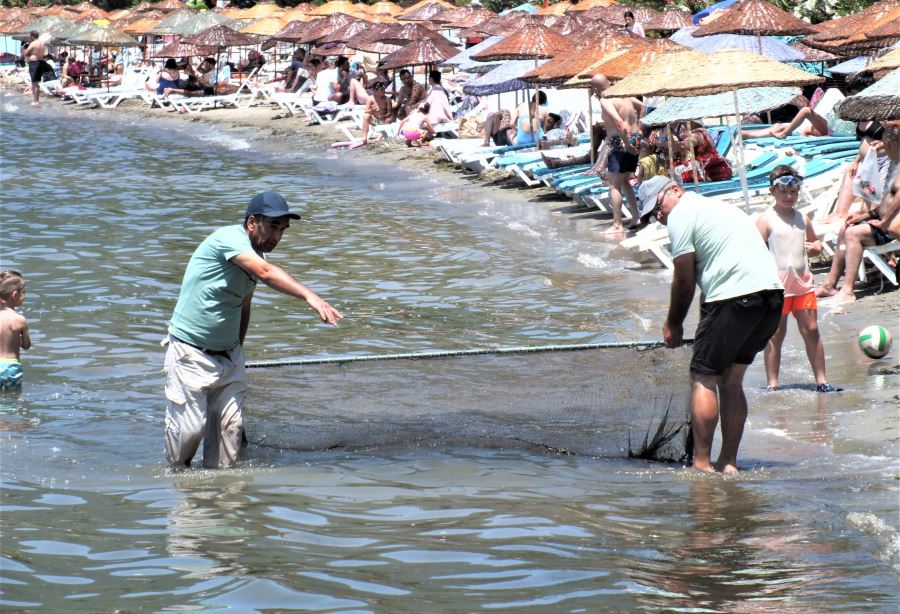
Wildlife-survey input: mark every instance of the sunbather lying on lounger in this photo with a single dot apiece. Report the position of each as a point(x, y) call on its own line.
point(818, 125)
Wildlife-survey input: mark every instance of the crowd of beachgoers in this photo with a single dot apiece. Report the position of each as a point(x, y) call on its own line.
point(330, 71)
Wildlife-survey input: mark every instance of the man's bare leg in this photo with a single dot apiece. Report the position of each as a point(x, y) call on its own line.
point(855, 239)
point(358, 94)
point(733, 409)
point(829, 286)
point(36, 94)
point(616, 181)
point(704, 418)
point(631, 199)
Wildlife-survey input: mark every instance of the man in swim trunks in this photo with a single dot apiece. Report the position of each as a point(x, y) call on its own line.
point(34, 54)
point(410, 96)
point(718, 248)
point(204, 364)
point(877, 226)
point(622, 118)
point(13, 329)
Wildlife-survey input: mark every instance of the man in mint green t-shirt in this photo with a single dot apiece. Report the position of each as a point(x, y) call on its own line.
point(716, 246)
point(204, 365)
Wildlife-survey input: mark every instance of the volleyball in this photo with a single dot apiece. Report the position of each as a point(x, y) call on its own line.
point(875, 341)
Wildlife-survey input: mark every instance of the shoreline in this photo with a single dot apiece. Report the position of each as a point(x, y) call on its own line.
point(871, 306)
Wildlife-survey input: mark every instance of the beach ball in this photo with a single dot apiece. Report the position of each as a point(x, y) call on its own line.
point(875, 341)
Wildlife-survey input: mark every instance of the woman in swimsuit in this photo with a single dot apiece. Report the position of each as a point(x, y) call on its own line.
point(529, 119)
point(167, 77)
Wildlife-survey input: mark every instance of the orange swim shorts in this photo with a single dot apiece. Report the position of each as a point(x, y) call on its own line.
point(793, 304)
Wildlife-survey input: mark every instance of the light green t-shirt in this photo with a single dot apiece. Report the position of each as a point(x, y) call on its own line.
point(208, 312)
point(730, 256)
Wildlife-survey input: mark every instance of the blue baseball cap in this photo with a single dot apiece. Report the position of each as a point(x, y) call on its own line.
point(269, 204)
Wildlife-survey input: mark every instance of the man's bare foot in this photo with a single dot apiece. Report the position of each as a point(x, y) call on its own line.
point(35, 104)
point(703, 468)
point(728, 469)
point(824, 291)
point(615, 229)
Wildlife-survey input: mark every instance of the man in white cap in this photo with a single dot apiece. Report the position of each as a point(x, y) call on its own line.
point(716, 246)
point(204, 365)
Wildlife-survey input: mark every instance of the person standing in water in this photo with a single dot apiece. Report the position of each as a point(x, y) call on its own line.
point(13, 329)
point(204, 365)
point(34, 54)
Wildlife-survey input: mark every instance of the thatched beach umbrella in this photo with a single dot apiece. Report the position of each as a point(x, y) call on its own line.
point(886, 62)
point(465, 56)
point(560, 8)
point(532, 42)
point(566, 65)
point(423, 52)
point(713, 74)
point(499, 25)
point(880, 101)
point(409, 32)
point(751, 100)
point(385, 8)
point(220, 37)
point(177, 49)
point(101, 36)
point(755, 17)
point(267, 26)
point(188, 24)
point(424, 10)
point(323, 27)
point(847, 36)
point(669, 21)
point(813, 55)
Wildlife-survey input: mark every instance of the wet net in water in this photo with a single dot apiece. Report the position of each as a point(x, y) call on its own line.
point(610, 401)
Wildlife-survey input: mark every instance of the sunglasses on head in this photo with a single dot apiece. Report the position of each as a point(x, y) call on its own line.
point(378, 86)
point(788, 181)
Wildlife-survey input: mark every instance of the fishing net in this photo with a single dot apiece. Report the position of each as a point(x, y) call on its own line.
point(609, 401)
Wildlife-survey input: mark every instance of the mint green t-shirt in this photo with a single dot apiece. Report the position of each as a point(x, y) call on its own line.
point(208, 312)
point(730, 255)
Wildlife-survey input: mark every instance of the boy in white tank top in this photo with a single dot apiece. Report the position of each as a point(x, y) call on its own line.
point(790, 237)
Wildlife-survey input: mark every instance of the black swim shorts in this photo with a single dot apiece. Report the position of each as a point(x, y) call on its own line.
point(881, 237)
point(735, 330)
point(621, 162)
point(37, 68)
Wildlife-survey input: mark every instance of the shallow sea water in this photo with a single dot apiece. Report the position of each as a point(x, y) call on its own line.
point(102, 223)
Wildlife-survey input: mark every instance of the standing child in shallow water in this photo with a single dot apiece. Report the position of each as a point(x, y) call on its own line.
point(13, 329)
point(790, 237)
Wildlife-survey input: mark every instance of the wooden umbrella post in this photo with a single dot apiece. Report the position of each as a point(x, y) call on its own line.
point(671, 152)
point(590, 123)
point(742, 172)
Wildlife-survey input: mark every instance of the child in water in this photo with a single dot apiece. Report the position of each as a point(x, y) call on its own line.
point(790, 237)
point(13, 329)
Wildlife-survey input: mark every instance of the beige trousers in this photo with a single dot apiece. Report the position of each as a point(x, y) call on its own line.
point(205, 400)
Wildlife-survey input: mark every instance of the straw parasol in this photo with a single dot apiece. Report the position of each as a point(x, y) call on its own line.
point(92, 14)
point(424, 3)
point(335, 6)
point(499, 25)
point(813, 55)
point(407, 33)
point(532, 42)
point(426, 51)
point(848, 36)
point(424, 13)
point(880, 101)
point(750, 100)
point(756, 17)
point(621, 65)
point(220, 36)
point(323, 27)
point(669, 20)
point(267, 26)
point(560, 8)
point(342, 35)
point(294, 30)
point(566, 65)
point(257, 11)
point(143, 25)
point(186, 23)
point(177, 49)
point(590, 4)
point(715, 73)
point(385, 8)
point(886, 62)
point(888, 30)
point(472, 18)
point(83, 6)
point(367, 40)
